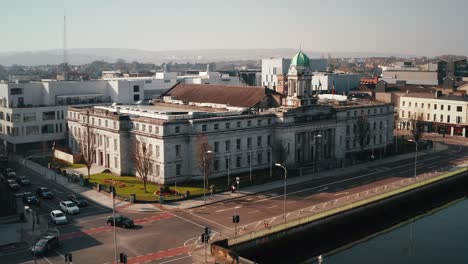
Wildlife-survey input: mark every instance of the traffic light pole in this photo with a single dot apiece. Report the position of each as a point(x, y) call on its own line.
point(113, 219)
point(204, 249)
point(235, 223)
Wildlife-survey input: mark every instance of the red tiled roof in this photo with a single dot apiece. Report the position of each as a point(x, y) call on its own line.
point(240, 96)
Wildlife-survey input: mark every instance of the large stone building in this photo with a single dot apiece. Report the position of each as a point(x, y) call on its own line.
point(439, 113)
point(245, 127)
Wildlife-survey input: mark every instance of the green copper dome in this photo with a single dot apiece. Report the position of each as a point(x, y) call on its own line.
point(301, 60)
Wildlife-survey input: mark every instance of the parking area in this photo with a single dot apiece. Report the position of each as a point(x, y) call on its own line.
point(89, 237)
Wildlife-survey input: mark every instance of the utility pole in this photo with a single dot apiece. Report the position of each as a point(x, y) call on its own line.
point(113, 219)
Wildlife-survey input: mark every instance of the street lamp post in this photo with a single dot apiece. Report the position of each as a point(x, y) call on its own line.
point(228, 164)
point(250, 165)
point(204, 174)
point(271, 163)
point(284, 196)
point(415, 155)
point(319, 136)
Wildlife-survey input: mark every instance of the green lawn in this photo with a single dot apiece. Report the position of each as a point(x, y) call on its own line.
point(132, 184)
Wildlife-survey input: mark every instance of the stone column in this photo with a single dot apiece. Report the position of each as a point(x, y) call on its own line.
point(451, 130)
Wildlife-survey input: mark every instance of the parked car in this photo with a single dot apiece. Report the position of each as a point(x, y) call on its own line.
point(29, 198)
point(43, 192)
point(69, 207)
point(13, 185)
point(45, 245)
point(78, 200)
point(121, 221)
point(23, 180)
point(58, 217)
point(11, 175)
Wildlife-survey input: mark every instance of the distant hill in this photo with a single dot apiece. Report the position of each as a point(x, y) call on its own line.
point(83, 56)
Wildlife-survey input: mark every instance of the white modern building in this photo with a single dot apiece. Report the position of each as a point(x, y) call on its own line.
point(443, 114)
point(271, 67)
point(34, 113)
point(245, 127)
point(411, 74)
point(209, 77)
point(340, 82)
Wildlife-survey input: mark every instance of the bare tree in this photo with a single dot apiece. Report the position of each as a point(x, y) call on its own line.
point(396, 120)
point(141, 156)
point(416, 126)
point(279, 152)
point(88, 146)
point(205, 160)
point(363, 132)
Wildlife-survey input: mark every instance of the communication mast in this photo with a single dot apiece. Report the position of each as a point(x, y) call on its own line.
point(65, 54)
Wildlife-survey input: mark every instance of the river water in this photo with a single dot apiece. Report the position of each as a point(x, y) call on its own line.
point(439, 236)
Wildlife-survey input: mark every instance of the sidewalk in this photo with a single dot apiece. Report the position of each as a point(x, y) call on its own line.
point(219, 197)
point(106, 201)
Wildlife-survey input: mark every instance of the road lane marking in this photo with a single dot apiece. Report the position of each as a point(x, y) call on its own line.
point(273, 206)
point(227, 209)
point(189, 255)
point(341, 193)
point(256, 211)
point(46, 259)
point(100, 229)
point(258, 223)
point(158, 255)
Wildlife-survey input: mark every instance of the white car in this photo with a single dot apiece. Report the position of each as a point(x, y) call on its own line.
point(69, 207)
point(58, 217)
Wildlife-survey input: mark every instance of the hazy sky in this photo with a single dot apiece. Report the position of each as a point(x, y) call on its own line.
point(420, 27)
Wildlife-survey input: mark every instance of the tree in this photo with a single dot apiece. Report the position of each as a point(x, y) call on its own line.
point(363, 132)
point(141, 156)
point(205, 160)
point(416, 126)
point(88, 146)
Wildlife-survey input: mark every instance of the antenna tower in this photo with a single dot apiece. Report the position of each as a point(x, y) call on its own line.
point(65, 55)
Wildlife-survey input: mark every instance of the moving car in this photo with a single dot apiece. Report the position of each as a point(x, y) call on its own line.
point(23, 180)
point(121, 221)
point(58, 217)
point(78, 200)
point(45, 245)
point(69, 207)
point(29, 198)
point(43, 192)
point(13, 185)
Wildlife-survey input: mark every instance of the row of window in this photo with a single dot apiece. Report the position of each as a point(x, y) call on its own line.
point(250, 159)
point(364, 111)
point(449, 108)
point(33, 130)
point(94, 121)
point(31, 116)
point(227, 145)
point(373, 127)
point(147, 128)
point(355, 142)
point(238, 124)
point(458, 119)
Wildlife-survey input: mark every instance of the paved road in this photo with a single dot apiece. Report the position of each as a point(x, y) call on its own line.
point(157, 237)
point(268, 208)
point(173, 236)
